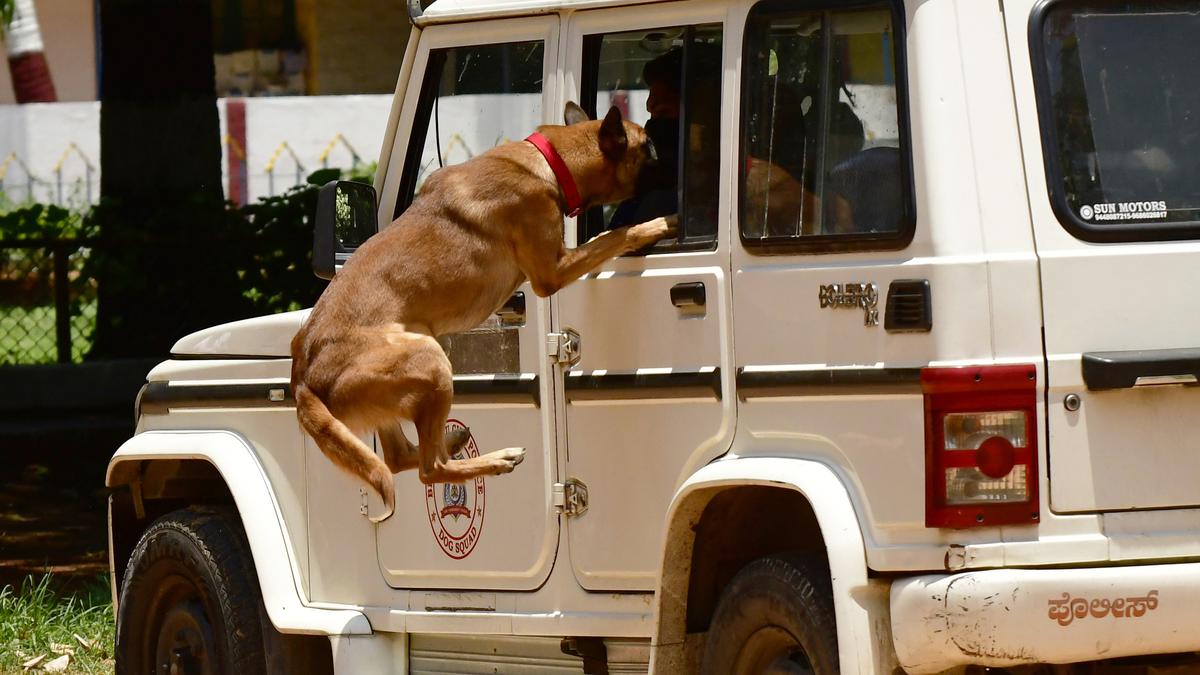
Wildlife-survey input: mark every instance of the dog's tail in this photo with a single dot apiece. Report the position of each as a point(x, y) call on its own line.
point(343, 448)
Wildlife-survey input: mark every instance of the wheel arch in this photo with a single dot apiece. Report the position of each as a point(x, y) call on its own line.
point(823, 519)
point(219, 466)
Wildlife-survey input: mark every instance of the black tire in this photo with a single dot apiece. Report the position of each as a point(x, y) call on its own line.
point(190, 601)
point(774, 617)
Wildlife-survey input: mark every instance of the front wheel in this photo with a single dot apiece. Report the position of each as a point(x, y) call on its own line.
point(775, 618)
point(189, 602)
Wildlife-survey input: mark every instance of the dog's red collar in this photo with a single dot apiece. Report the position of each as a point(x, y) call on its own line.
point(566, 182)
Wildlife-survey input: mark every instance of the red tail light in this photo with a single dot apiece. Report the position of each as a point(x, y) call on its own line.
point(980, 446)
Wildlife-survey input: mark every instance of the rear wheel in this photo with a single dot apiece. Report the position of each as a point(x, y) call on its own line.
point(775, 617)
point(189, 603)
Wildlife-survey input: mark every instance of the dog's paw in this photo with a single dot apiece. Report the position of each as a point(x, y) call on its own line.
point(672, 222)
point(504, 461)
point(651, 231)
point(456, 438)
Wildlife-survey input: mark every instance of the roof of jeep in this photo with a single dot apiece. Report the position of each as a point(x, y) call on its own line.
point(442, 11)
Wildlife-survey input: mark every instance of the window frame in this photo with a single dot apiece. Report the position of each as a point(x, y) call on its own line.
point(406, 190)
point(1117, 232)
point(833, 243)
point(589, 90)
point(394, 180)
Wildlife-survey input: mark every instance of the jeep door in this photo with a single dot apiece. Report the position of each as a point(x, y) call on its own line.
point(474, 86)
point(1110, 94)
point(648, 401)
point(868, 175)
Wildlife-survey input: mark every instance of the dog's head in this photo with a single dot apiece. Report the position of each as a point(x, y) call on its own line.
point(621, 160)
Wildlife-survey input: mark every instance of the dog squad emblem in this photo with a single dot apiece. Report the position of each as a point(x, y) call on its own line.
point(456, 509)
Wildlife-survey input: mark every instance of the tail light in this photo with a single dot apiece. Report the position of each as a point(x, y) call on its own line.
point(980, 446)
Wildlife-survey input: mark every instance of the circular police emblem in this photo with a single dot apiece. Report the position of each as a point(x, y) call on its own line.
point(1086, 212)
point(456, 509)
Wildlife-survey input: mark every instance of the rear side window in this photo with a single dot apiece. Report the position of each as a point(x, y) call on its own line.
point(473, 98)
point(824, 149)
point(1119, 104)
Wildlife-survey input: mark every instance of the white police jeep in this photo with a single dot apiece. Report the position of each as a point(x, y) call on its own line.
point(912, 391)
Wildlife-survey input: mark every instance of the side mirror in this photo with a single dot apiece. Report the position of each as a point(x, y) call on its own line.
point(346, 217)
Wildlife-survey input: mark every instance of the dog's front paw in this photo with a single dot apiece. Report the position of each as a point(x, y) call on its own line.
point(504, 461)
point(655, 230)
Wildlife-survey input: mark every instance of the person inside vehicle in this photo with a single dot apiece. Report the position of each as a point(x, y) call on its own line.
point(660, 196)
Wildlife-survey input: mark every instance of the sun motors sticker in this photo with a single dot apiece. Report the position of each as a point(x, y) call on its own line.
point(456, 509)
point(1152, 210)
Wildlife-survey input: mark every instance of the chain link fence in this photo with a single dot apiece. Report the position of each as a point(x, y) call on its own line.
point(47, 301)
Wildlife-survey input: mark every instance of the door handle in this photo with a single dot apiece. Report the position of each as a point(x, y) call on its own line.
point(688, 294)
point(1124, 370)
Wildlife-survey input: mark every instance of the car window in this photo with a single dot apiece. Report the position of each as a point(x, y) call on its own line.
point(823, 137)
point(473, 99)
point(668, 81)
point(1120, 104)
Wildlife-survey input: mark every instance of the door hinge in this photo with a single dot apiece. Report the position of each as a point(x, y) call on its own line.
point(564, 347)
point(571, 497)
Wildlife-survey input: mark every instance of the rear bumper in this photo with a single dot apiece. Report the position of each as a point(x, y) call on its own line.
point(1012, 616)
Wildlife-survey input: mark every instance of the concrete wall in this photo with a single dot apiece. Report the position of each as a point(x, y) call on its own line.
point(39, 135)
point(308, 124)
point(68, 32)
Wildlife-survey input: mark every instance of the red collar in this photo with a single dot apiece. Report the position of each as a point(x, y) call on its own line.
point(566, 182)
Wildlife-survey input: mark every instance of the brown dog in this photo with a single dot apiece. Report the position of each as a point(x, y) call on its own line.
point(367, 358)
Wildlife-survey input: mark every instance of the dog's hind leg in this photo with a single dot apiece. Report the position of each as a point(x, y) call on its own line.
point(429, 411)
point(436, 447)
point(399, 453)
point(406, 375)
point(345, 449)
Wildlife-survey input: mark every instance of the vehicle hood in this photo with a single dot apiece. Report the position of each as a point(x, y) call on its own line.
point(263, 336)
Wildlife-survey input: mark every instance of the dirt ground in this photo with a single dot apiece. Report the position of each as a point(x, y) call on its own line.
point(52, 515)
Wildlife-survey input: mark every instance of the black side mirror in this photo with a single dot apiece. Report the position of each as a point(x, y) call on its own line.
point(346, 217)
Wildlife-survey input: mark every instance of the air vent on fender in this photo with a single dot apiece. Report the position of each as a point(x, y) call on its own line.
point(909, 309)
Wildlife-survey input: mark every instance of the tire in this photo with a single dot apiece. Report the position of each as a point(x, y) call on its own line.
point(190, 601)
point(775, 617)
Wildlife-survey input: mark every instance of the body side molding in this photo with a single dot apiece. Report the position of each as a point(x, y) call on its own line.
point(158, 397)
point(770, 381)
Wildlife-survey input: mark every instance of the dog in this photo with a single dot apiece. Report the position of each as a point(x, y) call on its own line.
point(367, 357)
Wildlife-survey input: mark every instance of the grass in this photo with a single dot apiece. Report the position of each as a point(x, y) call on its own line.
point(39, 620)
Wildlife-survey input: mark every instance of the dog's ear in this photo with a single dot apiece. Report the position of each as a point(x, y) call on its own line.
point(613, 140)
point(573, 114)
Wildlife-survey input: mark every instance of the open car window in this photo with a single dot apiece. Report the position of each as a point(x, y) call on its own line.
point(1119, 101)
point(668, 81)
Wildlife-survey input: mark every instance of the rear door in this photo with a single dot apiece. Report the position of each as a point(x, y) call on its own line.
point(1115, 194)
point(867, 177)
point(475, 86)
point(649, 402)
